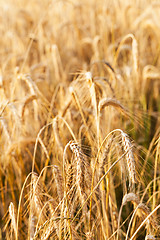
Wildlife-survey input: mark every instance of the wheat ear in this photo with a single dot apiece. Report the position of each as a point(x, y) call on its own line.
point(80, 179)
point(132, 197)
point(59, 182)
point(129, 158)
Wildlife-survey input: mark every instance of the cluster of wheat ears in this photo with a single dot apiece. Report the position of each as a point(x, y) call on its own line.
point(79, 119)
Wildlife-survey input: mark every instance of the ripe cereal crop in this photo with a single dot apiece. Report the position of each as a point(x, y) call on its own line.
point(79, 120)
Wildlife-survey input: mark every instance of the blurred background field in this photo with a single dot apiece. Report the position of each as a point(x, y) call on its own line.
point(77, 70)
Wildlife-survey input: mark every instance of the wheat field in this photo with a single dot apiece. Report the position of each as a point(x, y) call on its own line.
point(79, 119)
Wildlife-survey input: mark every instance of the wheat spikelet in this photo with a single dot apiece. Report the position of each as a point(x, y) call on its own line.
point(80, 179)
point(129, 158)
